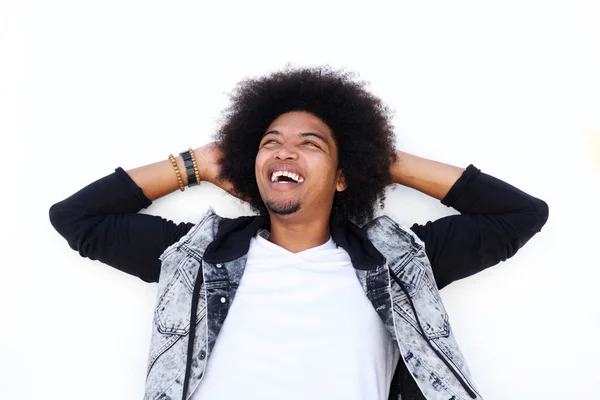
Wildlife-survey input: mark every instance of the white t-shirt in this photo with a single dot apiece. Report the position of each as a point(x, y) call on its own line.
point(300, 327)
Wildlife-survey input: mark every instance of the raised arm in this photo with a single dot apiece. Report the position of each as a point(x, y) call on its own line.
point(496, 220)
point(101, 221)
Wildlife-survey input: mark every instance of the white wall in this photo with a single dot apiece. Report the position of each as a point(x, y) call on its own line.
point(512, 87)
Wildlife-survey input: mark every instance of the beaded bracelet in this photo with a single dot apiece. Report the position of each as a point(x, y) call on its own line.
point(179, 180)
point(196, 171)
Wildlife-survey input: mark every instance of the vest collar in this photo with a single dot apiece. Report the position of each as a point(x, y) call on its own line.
point(233, 241)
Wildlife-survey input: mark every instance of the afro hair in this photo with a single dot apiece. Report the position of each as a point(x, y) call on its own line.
point(360, 122)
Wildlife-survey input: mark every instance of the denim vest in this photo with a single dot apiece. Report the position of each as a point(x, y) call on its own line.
point(402, 290)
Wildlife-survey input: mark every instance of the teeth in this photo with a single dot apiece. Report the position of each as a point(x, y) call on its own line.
point(290, 175)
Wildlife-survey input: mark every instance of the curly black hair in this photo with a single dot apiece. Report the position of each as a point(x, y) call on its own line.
point(360, 122)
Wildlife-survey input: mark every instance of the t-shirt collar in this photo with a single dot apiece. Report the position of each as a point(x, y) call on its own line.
point(233, 241)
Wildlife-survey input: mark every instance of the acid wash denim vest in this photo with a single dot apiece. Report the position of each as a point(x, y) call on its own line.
point(402, 290)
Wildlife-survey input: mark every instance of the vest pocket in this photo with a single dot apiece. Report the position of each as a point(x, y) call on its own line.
point(172, 313)
point(425, 298)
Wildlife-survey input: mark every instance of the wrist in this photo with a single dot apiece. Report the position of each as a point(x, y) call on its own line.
point(399, 168)
point(200, 163)
point(208, 158)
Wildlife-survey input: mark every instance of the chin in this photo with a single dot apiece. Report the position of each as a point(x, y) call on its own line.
point(282, 207)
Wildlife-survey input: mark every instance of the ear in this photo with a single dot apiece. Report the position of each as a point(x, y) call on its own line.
point(340, 181)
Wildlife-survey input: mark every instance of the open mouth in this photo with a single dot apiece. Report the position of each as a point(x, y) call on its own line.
point(286, 177)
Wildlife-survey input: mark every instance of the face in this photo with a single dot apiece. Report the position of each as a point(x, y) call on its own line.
point(296, 167)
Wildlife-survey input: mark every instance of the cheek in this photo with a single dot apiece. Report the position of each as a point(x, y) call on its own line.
point(259, 162)
point(326, 175)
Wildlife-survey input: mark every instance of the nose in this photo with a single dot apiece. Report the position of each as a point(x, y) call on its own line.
point(286, 153)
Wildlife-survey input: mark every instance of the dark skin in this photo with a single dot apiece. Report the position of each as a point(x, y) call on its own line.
point(300, 143)
point(317, 163)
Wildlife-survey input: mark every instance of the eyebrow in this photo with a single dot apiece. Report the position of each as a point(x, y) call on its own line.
point(303, 134)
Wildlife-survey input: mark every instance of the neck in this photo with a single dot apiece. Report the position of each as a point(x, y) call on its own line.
point(298, 236)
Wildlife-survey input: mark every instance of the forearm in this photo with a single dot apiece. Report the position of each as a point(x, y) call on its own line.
point(159, 179)
point(430, 177)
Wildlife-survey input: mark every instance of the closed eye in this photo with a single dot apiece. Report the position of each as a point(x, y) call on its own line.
point(311, 143)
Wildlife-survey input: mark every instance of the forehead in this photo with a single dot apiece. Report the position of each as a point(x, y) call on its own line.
point(299, 121)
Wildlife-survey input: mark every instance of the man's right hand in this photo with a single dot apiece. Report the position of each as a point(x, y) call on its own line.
point(208, 157)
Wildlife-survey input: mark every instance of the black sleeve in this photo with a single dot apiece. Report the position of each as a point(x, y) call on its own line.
point(101, 222)
point(496, 220)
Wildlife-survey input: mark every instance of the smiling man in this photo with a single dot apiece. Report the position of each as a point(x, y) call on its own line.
point(311, 298)
point(298, 145)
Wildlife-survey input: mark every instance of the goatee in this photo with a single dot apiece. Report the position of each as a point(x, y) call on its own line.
point(283, 207)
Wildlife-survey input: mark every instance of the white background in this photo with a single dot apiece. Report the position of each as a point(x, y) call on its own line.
point(85, 87)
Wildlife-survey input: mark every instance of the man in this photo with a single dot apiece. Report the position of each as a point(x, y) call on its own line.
point(299, 301)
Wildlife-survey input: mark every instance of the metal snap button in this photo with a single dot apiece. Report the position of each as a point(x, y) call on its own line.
point(223, 299)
